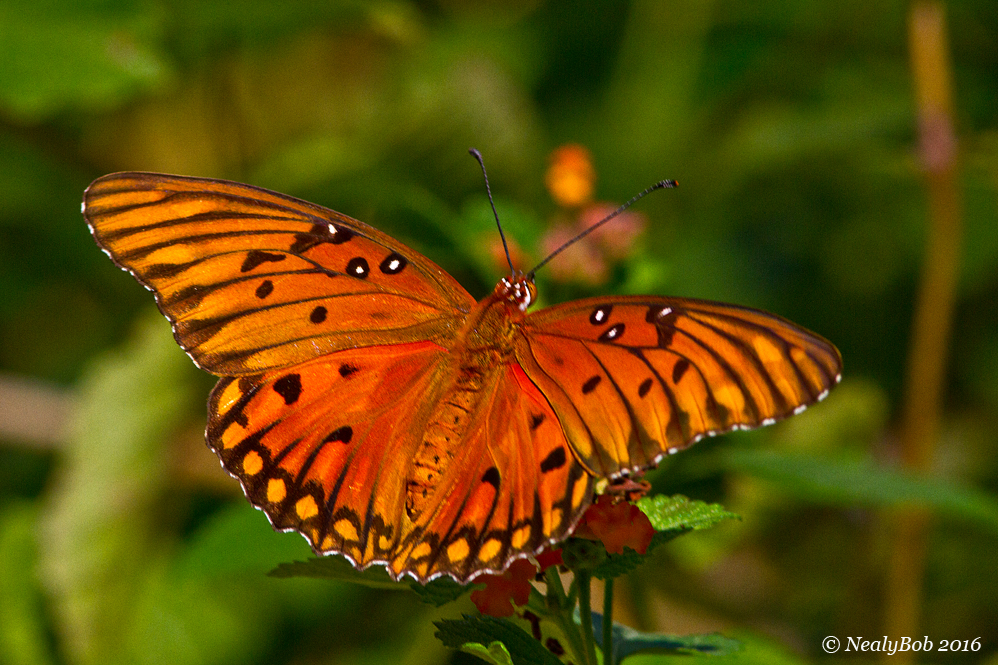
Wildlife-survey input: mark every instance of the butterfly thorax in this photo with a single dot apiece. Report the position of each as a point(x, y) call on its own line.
point(483, 347)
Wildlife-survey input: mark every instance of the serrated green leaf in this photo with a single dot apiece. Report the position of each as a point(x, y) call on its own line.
point(627, 641)
point(338, 568)
point(485, 630)
point(669, 513)
point(440, 591)
point(437, 592)
point(495, 653)
point(615, 565)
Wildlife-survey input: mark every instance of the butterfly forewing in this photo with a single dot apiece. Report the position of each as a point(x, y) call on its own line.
point(633, 378)
point(253, 280)
point(321, 447)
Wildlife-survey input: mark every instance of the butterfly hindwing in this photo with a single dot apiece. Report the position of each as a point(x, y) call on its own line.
point(253, 280)
point(322, 447)
point(633, 378)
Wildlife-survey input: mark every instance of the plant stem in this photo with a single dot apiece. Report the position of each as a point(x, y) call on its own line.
point(925, 382)
point(608, 621)
point(559, 608)
point(583, 580)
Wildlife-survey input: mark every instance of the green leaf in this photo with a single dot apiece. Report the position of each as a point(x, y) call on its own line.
point(496, 653)
point(627, 641)
point(440, 591)
point(338, 568)
point(677, 513)
point(472, 634)
point(848, 481)
point(437, 592)
point(754, 650)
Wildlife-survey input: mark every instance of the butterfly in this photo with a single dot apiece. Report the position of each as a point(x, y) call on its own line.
point(368, 401)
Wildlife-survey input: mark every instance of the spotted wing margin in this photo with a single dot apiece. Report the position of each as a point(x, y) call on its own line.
point(253, 280)
point(634, 378)
point(324, 448)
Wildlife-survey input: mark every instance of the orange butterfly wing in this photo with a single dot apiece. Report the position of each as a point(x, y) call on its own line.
point(254, 280)
point(325, 447)
point(321, 447)
point(634, 378)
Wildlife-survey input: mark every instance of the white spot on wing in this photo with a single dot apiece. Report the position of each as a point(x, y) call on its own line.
point(673, 451)
point(768, 421)
point(800, 409)
point(822, 395)
point(666, 311)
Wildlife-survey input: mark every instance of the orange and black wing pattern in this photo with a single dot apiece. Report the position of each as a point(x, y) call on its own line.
point(634, 378)
point(254, 280)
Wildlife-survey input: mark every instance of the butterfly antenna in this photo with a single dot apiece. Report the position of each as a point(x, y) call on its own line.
point(661, 184)
point(477, 155)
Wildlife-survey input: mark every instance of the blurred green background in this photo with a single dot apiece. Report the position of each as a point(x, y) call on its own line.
point(793, 130)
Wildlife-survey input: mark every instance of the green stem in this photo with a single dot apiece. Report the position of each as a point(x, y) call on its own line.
point(559, 608)
point(583, 580)
point(608, 621)
point(555, 588)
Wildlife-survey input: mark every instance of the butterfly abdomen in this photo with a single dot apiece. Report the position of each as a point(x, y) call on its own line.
point(484, 346)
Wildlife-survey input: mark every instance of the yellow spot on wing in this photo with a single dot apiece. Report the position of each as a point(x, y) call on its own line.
point(306, 507)
point(252, 463)
point(346, 529)
point(489, 550)
point(766, 350)
point(555, 520)
point(520, 536)
point(231, 437)
point(229, 396)
point(458, 550)
point(579, 490)
point(423, 549)
point(276, 490)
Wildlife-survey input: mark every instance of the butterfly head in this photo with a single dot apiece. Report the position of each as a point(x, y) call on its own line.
point(518, 290)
